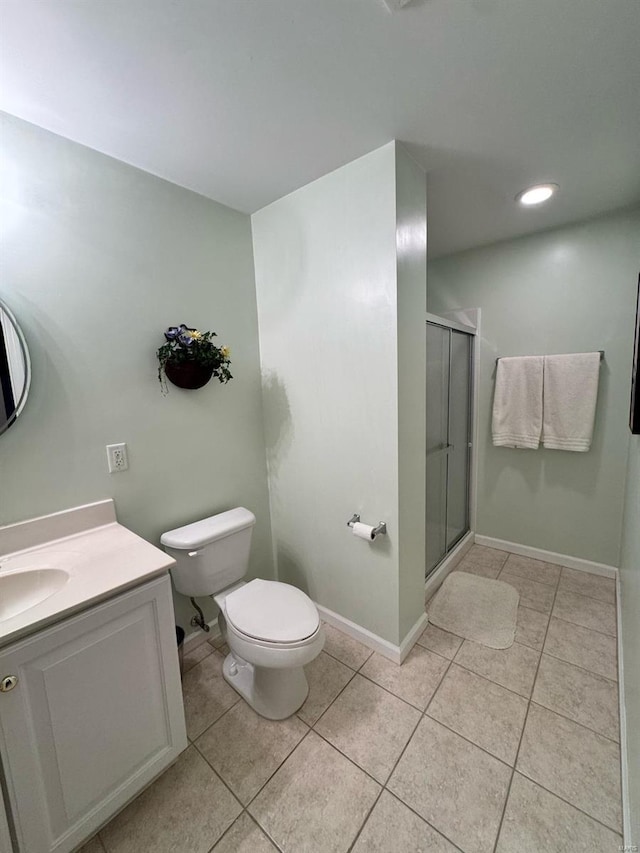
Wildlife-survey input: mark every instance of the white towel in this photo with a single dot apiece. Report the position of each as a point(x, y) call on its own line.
point(570, 394)
point(517, 402)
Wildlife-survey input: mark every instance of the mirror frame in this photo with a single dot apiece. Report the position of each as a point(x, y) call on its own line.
point(27, 367)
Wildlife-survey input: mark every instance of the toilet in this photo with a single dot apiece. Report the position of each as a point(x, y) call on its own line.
point(273, 629)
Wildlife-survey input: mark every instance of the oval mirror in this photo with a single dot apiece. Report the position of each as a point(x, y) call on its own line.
point(15, 369)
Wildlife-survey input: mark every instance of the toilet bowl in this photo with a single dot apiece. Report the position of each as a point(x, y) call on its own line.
point(273, 629)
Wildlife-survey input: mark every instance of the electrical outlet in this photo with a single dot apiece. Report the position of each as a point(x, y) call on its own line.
point(117, 457)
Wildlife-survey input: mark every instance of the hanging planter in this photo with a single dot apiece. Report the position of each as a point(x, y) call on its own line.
point(189, 359)
point(188, 374)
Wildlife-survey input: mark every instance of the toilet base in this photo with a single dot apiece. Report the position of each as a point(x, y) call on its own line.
point(272, 693)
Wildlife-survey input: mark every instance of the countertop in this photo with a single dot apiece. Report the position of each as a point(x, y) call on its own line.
point(101, 562)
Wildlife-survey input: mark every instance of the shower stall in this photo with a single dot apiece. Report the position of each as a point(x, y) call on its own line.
point(449, 436)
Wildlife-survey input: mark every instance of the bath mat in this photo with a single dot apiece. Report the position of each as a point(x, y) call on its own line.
point(476, 608)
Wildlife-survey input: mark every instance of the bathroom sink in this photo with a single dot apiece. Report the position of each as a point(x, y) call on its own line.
point(23, 589)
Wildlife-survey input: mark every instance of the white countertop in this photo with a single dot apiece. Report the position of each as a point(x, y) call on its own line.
point(101, 561)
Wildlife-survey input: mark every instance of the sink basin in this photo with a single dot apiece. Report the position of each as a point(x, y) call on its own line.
point(21, 590)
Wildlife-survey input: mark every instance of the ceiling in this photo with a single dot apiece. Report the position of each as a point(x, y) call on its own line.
point(246, 100)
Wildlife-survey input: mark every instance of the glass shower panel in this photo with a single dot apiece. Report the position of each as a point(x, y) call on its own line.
point(436, 440)
point(459, 430)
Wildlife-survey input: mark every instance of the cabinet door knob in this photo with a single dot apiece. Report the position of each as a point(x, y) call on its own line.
point(8, 683)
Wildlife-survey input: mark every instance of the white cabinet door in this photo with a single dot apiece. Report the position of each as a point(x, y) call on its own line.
point(96, 714)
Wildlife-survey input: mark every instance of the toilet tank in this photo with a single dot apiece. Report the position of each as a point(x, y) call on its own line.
point(210, 554)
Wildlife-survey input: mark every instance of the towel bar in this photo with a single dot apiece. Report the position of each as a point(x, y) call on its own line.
point(502, 356)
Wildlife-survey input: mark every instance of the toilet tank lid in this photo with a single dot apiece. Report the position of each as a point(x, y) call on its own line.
point(207, 530)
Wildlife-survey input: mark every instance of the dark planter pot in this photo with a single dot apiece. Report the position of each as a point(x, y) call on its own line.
point(188, 374)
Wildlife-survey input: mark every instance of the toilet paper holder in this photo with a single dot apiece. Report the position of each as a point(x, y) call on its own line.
point(377, 531)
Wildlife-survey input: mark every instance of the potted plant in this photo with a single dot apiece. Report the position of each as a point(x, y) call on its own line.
point(189, 358)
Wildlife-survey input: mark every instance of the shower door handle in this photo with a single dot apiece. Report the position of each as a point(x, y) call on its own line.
point(444, 448)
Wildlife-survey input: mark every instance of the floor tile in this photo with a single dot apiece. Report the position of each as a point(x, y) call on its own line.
point(326, 677)
point(531, 627)
point(589, 649)
point(481, 711)
point(585, 583)
point(206, 695)
point(415, 680)
point(93, 846)
point(537, 596)
point(344, 648)
point(245, 748)
point(370, 726)
point(457, 787)
point(187, 808)
point(195, 655)
point(584, 611)
point(536, 821)
point(583, 696)
point(317, 801)
point(483, 556)
point(439, 641)
point(217, 641)
point(393, 828)
point(575, 763)
point(245, 836)
point(482, 569)
point(534, 570)
point(513, 668)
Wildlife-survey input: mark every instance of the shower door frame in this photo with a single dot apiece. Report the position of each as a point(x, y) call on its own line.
point(454, 553)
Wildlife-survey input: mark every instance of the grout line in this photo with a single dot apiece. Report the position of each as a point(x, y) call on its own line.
point(613, 637)
point(348, 665)
point(582, 668)
point(335, 698)
point(526, 718)
point(397, 761)
point(568, 803)
point(391, 693)
point(472, 742)
point(571, 720)
point(418, 815)
point(218, 776)
point(510, 689)
point(217, 719)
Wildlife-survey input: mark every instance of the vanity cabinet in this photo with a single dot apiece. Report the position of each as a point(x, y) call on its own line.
point(95, 715)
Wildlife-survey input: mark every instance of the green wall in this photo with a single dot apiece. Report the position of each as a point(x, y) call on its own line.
point(98, 258)
point(630, 602)
point(568, 290)
point(341, 277)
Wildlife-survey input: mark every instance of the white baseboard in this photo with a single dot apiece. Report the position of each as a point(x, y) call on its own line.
point(549, 556)
point(197, 636)
point(624, 757)
point(448, 564)
point(372, 641)
point(412, 637)
point(395, 653)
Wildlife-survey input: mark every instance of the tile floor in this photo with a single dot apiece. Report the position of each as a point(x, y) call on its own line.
point(462, 748)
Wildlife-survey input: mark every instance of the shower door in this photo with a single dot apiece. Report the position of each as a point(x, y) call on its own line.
point(448, 440)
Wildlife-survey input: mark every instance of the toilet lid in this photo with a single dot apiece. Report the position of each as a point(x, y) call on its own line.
point(272, 611)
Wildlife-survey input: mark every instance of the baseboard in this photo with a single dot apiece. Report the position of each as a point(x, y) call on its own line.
point(549, 556)
point(362, 635)
point(412, 637)
point(197, 637)
point(624, 758)
point(395, 653)
point(448, 564)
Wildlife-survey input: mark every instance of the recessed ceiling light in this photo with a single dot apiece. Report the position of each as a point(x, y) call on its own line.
point(536, 194)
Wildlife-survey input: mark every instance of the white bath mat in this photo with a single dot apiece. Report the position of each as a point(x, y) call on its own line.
point(476, 608)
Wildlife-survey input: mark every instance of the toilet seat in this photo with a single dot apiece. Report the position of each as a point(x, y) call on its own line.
point(271, 612)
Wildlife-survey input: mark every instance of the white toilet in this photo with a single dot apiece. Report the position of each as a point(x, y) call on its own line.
point(273, 629)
